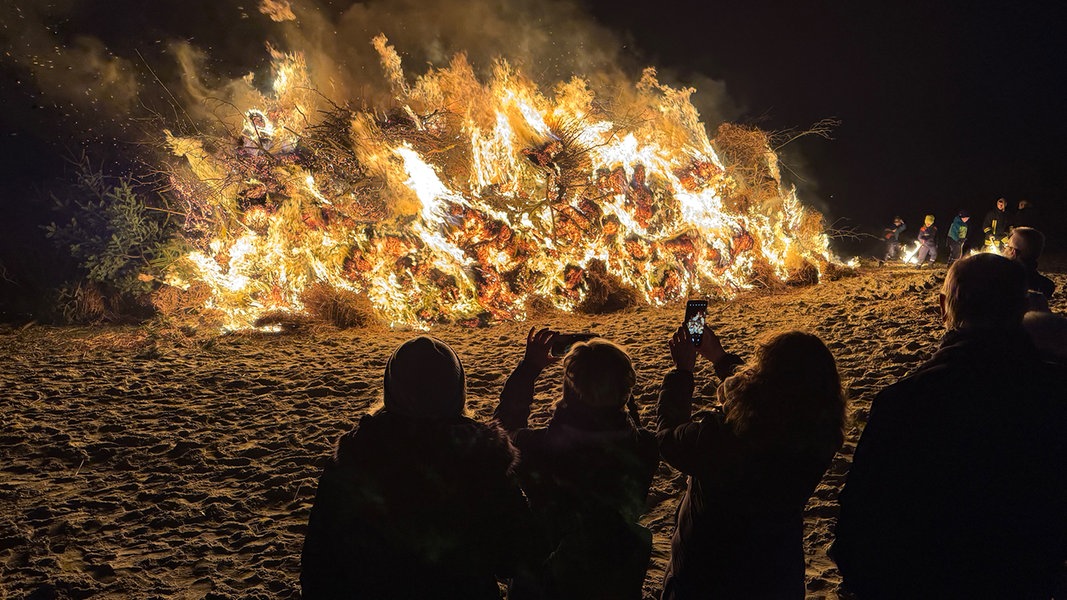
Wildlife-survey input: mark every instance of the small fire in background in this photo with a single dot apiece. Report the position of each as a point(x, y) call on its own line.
point(467, 200)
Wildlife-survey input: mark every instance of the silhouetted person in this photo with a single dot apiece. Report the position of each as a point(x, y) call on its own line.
point(586, 473)
point(752, 464)
point(891, 235)
point(957, 236)
point(958, 487)
point(1024, 216)
point(996, 225)
point(418, 501)
point(1025, 246)
point(927, 242)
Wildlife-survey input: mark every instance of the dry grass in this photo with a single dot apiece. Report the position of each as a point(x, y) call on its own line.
point(341, 308)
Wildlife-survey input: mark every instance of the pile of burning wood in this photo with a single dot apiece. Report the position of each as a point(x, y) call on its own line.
point(466, 201)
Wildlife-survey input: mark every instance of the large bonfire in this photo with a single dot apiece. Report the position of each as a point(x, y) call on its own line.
point(472, 200)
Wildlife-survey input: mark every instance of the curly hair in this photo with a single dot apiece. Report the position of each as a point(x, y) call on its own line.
point(790, 391)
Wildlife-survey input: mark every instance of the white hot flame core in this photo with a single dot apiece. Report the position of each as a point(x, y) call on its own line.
point(435, 214)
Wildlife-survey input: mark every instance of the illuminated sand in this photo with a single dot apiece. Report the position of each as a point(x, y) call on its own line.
point(133, 467)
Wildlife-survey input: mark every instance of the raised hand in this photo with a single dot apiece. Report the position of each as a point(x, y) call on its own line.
point(682, 350)
point(539, 348)
point(710, 345)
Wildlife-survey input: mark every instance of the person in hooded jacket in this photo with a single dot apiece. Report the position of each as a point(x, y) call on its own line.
point(997, 225)
point(958, 486)
point(957, 236)
point(586, 473)
point(419, 500)
point(752, 463)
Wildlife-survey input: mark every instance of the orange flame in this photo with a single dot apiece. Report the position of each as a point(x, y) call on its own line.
point(468, 199)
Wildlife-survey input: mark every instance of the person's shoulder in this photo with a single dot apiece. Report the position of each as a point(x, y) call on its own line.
point(490, 435)
point(910, 387)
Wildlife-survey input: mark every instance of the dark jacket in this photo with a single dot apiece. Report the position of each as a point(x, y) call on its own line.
point(415, 508)
point(1024, 217)
point(928, 236)
point(958, 488)
point(996, 224)
point(740, 526)
point(892, 233)
point(586, 474)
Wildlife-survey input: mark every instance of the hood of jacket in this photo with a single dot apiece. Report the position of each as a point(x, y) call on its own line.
point(401, 442)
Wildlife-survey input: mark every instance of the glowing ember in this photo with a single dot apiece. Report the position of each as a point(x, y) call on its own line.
point(467, 199)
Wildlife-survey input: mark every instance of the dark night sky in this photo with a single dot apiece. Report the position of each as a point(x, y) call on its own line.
point(943, 105)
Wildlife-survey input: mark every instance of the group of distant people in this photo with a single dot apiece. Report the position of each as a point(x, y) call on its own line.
point(997, 228)
point(958, 487)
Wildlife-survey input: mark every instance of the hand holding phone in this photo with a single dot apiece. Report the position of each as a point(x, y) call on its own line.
point(695, 317)
point(682, 351)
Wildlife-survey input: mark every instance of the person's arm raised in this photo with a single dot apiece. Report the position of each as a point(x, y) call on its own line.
point(513, 411)
point(674, 431)
point(725, 363)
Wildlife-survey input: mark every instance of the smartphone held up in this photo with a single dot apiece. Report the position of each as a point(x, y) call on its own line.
point(695, 315)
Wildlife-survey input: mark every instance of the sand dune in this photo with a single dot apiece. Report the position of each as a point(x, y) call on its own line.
point(140, 463)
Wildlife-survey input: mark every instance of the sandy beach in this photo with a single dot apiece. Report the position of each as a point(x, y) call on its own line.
point(146, 463)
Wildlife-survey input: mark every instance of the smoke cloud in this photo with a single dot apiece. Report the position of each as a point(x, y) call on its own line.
point(176, 62)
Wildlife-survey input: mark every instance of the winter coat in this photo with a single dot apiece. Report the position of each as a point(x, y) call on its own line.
point(957, 232)
point(587, 475)
point(415, 508)
point(928, 236)
point(892, 233)
point(958, 487)
point(996, 224)
point(740, 526)
point(1024, 217)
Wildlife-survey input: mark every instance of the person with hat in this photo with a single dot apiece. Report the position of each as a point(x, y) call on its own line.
point(957, 236)
point(418, 500)
point(927, 242)
point(587, 472)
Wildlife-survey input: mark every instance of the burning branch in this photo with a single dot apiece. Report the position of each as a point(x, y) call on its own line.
point(467, 200)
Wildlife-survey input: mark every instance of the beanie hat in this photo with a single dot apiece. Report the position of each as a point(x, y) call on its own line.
point(424, 378)
point(964, 214)
point(929, 220)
